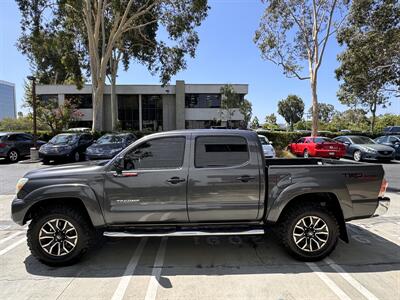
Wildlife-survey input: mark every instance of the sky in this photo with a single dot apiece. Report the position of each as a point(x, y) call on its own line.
point(226, 54)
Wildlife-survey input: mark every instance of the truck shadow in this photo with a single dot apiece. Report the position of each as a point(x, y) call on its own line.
point(227, 255)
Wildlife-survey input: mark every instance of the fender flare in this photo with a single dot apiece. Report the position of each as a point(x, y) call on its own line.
point(67, 191)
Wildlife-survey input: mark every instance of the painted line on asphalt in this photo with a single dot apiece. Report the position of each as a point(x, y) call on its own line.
point(12, 246)
point(11, 236)
point(350, 279)
point(129, 271)
point(156, 273)
point(333, 286)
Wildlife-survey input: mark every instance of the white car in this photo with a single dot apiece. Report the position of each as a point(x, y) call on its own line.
point(269, 151)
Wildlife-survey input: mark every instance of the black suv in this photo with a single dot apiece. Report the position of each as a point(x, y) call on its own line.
point(14, 145)
point(66, 146)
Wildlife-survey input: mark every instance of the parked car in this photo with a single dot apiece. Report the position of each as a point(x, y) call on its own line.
point(196, 183)
point(269, 151)
point(391, 141)
point(109, 145)
point(391, 130)
point(317, 147)
point(362, 147)
point(15, 145)
point(66, 146)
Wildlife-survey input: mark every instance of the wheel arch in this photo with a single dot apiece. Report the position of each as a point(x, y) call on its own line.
point(324, 199)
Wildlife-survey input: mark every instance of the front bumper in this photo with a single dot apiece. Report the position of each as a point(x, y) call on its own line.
point(377, 156)
point(52, 156)
point(383, 206)
point(18, 210)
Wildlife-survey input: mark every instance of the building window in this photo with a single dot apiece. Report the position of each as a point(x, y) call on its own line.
point(203, 100)
point(152, 113)
point(47, 99)
point(196, 124)
point(80, 100)
point(128, 112)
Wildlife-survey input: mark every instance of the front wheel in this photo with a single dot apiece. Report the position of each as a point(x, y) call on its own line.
point(357, 155)
point(59, 235)
point(309, 232)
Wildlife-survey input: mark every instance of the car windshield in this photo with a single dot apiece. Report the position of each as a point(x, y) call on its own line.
point(323, 140)
point(64, 139)
point(362, 140)
point(263, 141)
point(111, 139)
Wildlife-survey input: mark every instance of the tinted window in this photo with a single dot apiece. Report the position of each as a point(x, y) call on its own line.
point(164, 153)
point(203, 100)
point(394, 139)
point(300, 141)
point(323, 140)
point(362, 140)
point(220, 151)
point(80, 100)
point(23, 137)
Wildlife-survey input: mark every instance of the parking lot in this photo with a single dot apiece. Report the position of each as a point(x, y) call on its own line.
point(231, 267)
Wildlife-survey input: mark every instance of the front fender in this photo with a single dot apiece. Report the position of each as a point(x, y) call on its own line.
point(20, 207)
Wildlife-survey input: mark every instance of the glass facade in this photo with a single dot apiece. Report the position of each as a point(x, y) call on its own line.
point(128, 112)
point(47, 99)
point(203, 100)
point(7, 100)
point(81, 100)
point(152, 113)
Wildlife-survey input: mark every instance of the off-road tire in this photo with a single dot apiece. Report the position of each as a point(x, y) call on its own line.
point(286, 226)
point(87, 236)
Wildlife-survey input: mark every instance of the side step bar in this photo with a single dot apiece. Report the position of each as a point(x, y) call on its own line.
point(181, 233)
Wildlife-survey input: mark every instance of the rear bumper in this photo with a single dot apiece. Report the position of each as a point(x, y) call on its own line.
point(328, 153)
point(383, 206)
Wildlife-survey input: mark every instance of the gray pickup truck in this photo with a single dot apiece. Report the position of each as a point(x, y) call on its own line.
point(196, 182)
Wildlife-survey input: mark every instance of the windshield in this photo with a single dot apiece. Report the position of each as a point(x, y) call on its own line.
point(263, 140)
point(362, 140)
point(323, 140)
point(63, 139)
point(111, 139)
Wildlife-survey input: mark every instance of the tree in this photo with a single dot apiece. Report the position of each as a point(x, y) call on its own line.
point(352, 119)
point(102, 24)
point(230, 102)
point(49, 113)
point(255, 123)
point(52, 53)
point(325, 112)
point(295, 33)
point(291, 109)
point(246, 109)
point(270, 119)
point(370, 64)
point(108, 31)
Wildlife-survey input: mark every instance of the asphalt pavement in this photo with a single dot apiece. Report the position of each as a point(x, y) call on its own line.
point(228, 267)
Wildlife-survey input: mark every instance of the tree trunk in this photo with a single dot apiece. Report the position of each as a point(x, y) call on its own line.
point(98, 92)
point(373, 112)
point(114, 104)
point(314, 130)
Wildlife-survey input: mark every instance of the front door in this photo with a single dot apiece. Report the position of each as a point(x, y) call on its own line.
point(152, 186)
point(224, 179)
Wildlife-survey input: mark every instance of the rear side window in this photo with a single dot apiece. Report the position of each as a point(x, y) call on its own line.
point(220, 151)
point(163, 153)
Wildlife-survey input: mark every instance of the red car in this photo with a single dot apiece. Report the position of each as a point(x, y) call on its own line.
point(317, 147)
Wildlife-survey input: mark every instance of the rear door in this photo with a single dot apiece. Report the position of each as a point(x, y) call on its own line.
point(224, 179)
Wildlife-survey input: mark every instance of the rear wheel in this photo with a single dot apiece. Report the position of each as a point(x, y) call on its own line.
point(306, 154)
point(309, 232)
point(59, 235)
point(13, 156)
point(75, 156)
point(357, 155)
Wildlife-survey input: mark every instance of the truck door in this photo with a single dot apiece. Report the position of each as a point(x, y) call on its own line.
point(151, 188)
point(224, 179)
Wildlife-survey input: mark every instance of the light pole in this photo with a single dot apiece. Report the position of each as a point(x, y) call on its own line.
point(33, 79)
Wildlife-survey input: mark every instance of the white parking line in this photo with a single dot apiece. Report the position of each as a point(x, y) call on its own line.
point(333, 286)
point(156, 273)
point(354, 283)
point(12, 246)
point(11, 236)
point(130, 269)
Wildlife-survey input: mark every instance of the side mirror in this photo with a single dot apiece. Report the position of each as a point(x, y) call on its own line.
point(117, 164)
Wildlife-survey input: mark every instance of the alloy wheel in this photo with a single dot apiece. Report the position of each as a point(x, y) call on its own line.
point(58, 237)
point(310, 233)
point(357, 155)
point(13, 155)
point(76, 156)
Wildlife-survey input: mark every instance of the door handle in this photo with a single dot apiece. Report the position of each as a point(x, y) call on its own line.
point(245, 178)
point(175, 180)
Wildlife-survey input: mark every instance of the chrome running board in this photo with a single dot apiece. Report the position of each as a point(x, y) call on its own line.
point(181, 233)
